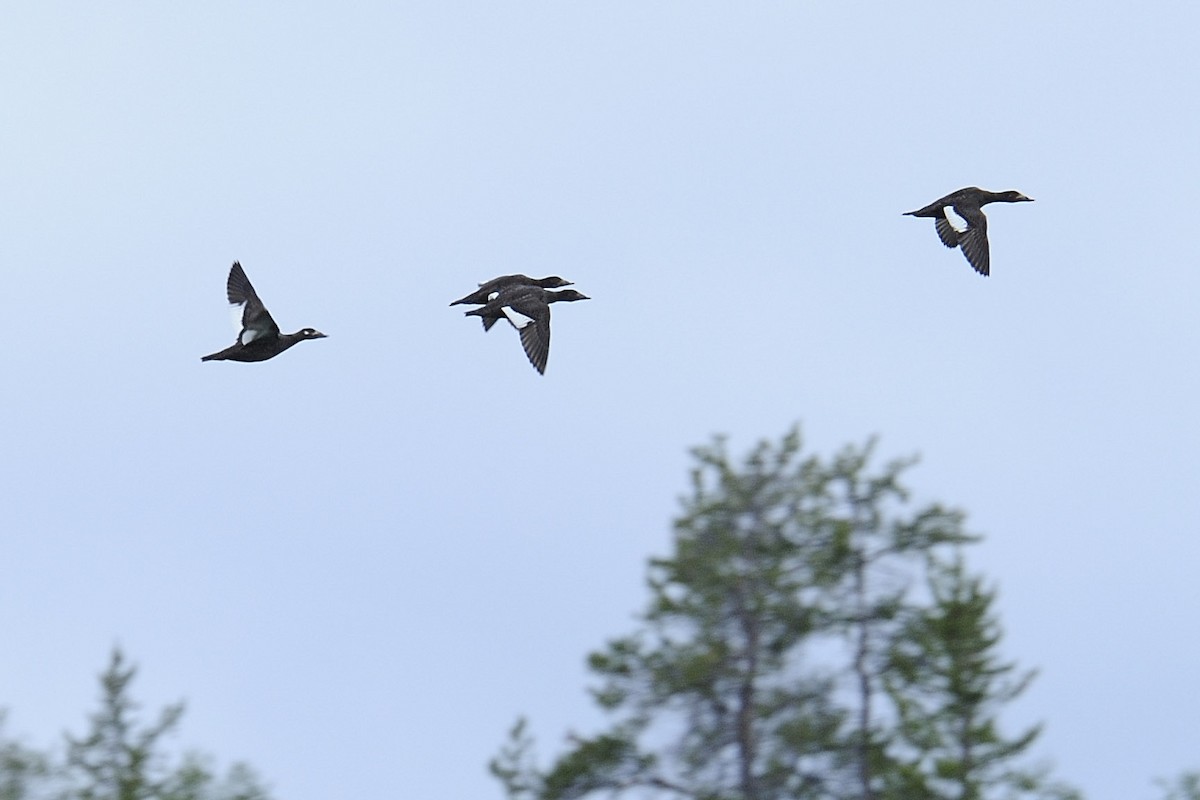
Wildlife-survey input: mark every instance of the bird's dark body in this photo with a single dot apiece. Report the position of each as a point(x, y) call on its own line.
point(258, 350)
point(532, 302)
point(259, 338)
point(967, 203)
point(486, 289)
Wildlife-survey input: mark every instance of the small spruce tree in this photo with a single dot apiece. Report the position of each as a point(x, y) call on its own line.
point(121, 759)
point(949, 684)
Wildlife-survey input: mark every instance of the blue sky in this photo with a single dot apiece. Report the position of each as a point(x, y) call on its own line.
point(360, 561)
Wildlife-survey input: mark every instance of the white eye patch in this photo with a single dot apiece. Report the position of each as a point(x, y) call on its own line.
point(956, 221)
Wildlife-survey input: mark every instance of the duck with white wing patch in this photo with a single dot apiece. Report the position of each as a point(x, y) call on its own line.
point(959, 220)
point(527, 308)
point(258, 335)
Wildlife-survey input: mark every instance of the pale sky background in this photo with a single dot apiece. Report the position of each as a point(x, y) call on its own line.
point(359, 562)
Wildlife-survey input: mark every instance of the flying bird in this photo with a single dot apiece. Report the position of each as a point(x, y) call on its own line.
point(258, 335)
point(960, 221)
point(489, 289)
point(532, 305)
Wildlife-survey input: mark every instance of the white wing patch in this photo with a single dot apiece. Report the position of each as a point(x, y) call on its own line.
point(517, 319)
point(235, 316)
point(247, 336)
point(957, 222)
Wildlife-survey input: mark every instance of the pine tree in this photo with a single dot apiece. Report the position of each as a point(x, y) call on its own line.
point(1185, 787)
point(21, 770)
point(949, 684)
point(117, 760)
point(875, 549)
point(120, 759)
point(758, 670)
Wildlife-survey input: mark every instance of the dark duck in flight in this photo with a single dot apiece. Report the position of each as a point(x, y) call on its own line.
point(258, 337)
point(489, 289)
point(960, 222)
point(532, 305)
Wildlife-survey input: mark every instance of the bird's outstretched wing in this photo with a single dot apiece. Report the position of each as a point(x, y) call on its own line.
point(946, 232)
point(974, 243)
point(535, 338)
point(256, 321)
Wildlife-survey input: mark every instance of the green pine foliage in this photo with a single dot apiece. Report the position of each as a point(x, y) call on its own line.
point(949, 685)
point(21, 769)
point(1184, 787)
point(120, 758)
point(789, 650)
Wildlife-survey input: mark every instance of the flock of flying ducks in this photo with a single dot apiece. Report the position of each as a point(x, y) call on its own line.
point(525, 302)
